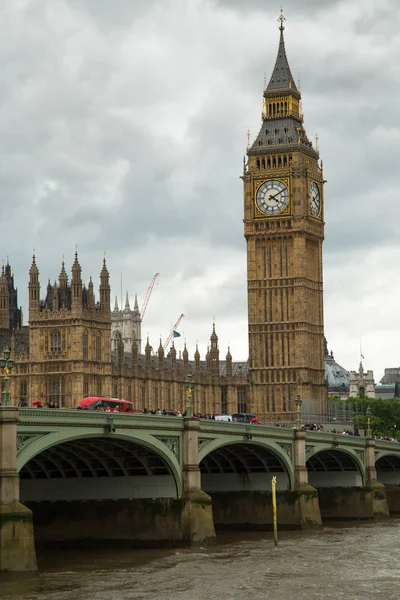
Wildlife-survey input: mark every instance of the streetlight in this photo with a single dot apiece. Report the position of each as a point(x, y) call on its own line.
point(298, 412)
point(189, 385)
point(6, 364)
point(368, 413)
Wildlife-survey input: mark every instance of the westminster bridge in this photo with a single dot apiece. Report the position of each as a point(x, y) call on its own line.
point(147, 478)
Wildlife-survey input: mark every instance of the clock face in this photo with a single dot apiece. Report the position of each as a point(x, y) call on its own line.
point(272, 197)
point(314, 200)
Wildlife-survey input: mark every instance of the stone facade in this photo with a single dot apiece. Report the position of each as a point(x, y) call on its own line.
point(284, 229)
point(126, 325)
point(66, 354)
point(361, 383)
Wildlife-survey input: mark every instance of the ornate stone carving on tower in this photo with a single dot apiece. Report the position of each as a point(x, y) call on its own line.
point(69, 338)
point(126, 324)
point(362, 383)
point(10, 314)
point(284, 230)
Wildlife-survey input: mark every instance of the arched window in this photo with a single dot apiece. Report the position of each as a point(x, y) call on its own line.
point(98, 346)
point(258, 163)
point(55, 390)
point(268, 163)
point(263, 162)
point(85, 345)
point(55, 341)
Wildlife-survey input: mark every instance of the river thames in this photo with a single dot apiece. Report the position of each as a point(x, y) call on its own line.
point(350, 562)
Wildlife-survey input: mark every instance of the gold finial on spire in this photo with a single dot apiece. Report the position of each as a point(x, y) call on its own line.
point(265, 81)
point(248, 138)
point(282, 19)
point(316, 142)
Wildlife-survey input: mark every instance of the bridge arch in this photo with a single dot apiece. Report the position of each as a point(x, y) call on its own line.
point(388, 468)
point(91, 453)
point(231, 464)
point(334, 466)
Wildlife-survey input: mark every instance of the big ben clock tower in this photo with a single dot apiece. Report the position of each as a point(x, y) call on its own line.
point(284, 230)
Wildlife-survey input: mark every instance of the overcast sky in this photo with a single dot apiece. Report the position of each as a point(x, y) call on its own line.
point(123, 128)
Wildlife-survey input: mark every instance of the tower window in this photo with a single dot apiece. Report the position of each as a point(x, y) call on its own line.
point(85, 344)
point(276, 131)
point(285, 129)
point(55, 341)
point(98, 346)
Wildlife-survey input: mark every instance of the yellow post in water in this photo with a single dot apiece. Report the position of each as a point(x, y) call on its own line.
point(274, 511)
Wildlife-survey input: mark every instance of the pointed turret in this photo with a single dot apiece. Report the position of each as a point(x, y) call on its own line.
point(4, 301)
point(104, 289)
point(55, 296)
point(185, 355)
point(91, 299)
point(116, 308)
point(34, 290)
point(147, 351)
point(197, 360)
point(76, 285)
point(214, 352)
point(127, 305)
point(160, 354)
point(229, 363)
point(136, 306)
point(282, 126)
point(281, 78)
point(63, 278)
point(173, 355)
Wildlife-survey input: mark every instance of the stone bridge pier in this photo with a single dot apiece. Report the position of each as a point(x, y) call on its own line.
point(17, 548)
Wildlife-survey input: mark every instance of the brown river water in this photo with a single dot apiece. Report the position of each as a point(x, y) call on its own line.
point(351, 562)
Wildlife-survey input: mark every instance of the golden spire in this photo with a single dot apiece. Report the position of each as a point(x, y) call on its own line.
point(316, 142)
point(282, 19)
point(248, 138)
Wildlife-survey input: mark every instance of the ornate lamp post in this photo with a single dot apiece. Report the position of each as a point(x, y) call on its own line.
point(189, 385)
point(368, 413)
point(6, 364)
point(298, 412)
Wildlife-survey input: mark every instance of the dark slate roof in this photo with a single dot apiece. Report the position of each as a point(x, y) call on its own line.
point(338, 377)
point(281, 77)
point(282, 133)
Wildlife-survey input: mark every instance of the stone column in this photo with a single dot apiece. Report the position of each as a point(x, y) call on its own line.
point(376, 490)
point(197, 515)
point(300, 469)
point(370, 460)
point(307, 511)
point(17, 548)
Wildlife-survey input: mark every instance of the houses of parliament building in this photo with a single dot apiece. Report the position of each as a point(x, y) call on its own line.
point(68, 352)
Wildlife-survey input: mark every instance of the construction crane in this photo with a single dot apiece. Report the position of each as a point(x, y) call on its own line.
point(171, 333)
point(148, 294)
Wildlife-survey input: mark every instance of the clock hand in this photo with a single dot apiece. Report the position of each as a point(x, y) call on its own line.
point(275, 195)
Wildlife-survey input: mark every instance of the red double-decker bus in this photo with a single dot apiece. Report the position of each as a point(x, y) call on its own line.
point(105, 404)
